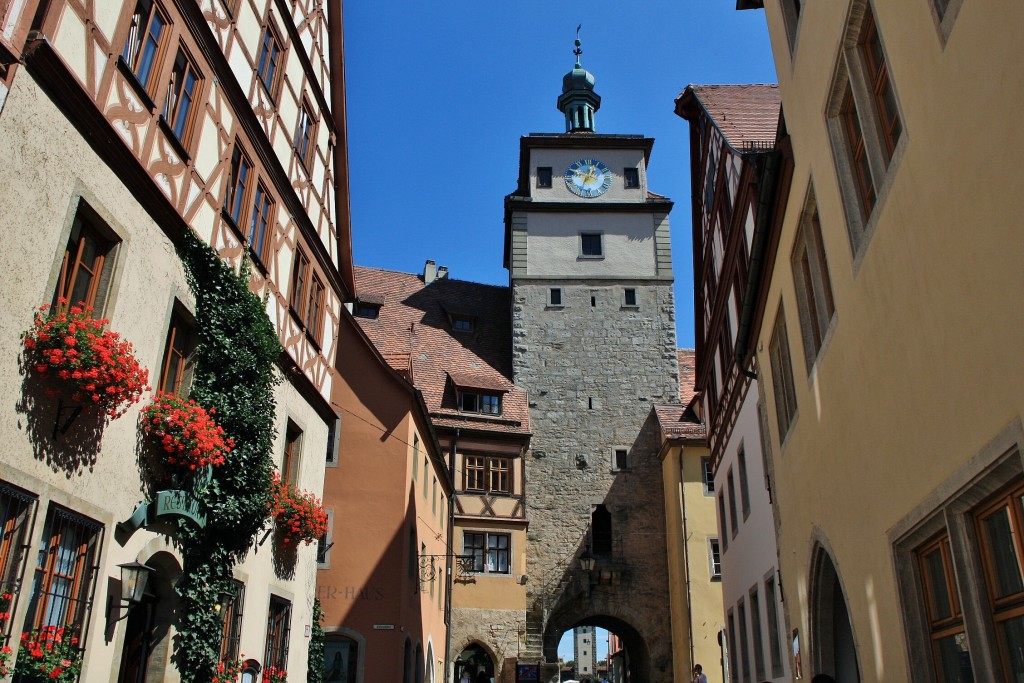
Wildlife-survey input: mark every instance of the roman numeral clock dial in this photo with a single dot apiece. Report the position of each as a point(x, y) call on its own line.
point(588, 178)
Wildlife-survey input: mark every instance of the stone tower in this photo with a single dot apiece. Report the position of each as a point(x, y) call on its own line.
point(594, 344)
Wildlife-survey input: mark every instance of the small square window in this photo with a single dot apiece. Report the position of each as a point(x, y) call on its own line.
point(629, 297)
point(555, 296)
point(462, 323)
point(621, 459)
point(369, 311)
point(543, 176)
point(631, 178)
point(591, 245)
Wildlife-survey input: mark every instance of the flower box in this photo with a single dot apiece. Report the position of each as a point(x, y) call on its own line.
point(299, 515)
point(96, 366)
point(186, 433)
point(48, 654)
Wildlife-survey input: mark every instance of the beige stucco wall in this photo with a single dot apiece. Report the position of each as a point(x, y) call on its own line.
point(923, 367)
point(48, 170)
point(696, 599)
point(553, 245)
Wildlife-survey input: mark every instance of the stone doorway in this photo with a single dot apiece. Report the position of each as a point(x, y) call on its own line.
point(474, 665)
point(632, 664)
point(149, 627)
point(833, 647)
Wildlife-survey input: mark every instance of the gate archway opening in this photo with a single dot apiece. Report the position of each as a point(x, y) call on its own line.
point(833, 647)
point(474, 664)
point(627, 659)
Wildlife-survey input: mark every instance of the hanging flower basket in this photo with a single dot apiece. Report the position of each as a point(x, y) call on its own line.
point(300, 516)
point(97, 367)
point(274, 675)
point(186, 432)
point(48, 654)
point(228, 671)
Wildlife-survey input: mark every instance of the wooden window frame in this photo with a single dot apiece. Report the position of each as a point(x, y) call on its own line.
point(179, 346)
point(877, 74)
point(815, 303)
point(291, 457)
point(479, 472)
point(481, 551)
point(84, 228)
point(173, 116)
point(261, 222)
point(149, 80)
point(856, 150)
point(1002, 607)
point(86, 535)
point(271, 69)
point(305, 135)
point(783, 385)
point(231, 623)
point(238, 188)
point(17, 514)
point(279, 617)
point(476, 402)
point(307, 297)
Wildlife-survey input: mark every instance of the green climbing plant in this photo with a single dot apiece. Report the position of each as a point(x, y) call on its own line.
point(315, 663)
point(234, 373)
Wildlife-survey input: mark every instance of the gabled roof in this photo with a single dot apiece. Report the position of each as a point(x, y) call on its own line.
point(679, 421)
point(414, 327)
point(746, 115)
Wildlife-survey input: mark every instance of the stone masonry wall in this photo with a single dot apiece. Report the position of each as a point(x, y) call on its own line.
point(593, 373)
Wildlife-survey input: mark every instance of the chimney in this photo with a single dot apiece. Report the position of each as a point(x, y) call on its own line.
point(442, 272)
point(429, 272)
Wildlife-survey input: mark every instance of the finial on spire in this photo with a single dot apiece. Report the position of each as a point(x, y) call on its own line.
point(578, 51)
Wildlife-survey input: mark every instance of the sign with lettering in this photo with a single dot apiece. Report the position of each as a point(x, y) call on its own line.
point(166, 504)
point(383, 627)
point(527, 672)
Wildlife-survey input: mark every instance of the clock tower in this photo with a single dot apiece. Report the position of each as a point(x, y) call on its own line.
point(594, 344)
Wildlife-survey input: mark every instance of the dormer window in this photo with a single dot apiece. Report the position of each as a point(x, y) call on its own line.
point(463, 323)
point(363, 310)
point(473, 402)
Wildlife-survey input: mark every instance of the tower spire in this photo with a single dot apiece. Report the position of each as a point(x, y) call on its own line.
point(578, 100)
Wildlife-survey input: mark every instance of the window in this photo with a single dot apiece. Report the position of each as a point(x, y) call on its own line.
point(782, 376)
point(269, 60)
point(733, 520)
point(292, 450)
point(543, 176)
point(620, 458)
point(307, 297)
point(758, 637)
point(741, 624)
point(305, 135)
point(368, 311)
point(733, 645)
point(414, 559)
point(145, 35)
point(279, 618)
point(487, 474)
point(709, 479)
point(946, 623)
point(463, 323)
point(341, 658)
point(791, 17)
point(555, 296)
point(744, 487)
point(813, 284)
point(87, 267)
point(173, 373)
point(724, 523)
point(16, 508)
point(631, 178)
point(629, 297)
point(260, 225)
point(865, 123)
point(490, 551)
point(238, 184)
point(470, 402)
point(716, 559)
point(433, 496)
point(231, 622)
point(1000, 526)
point(65, 572)
point(415, 456)
point(774, 634)
point(333, 440)
point(591, 245)
point(601, 530)
point(182, 92)
point(945, 12)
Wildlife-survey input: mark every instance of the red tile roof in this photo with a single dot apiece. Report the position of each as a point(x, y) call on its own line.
point(679, 421)
point(414, 329)
point(745, 114)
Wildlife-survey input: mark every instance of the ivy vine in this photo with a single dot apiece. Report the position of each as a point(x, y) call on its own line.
point(314, 666)
point(234, 373)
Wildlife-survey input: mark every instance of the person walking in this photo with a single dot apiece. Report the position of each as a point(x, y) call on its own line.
point(698, 674)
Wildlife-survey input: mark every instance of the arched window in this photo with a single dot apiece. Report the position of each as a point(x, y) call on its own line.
point(419, 664)
point(428, 666)
point(407, 662)
point(601, 530)
point(341, 659)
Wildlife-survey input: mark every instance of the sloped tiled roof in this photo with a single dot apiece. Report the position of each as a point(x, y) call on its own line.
point(746, 114)
point(414, 327)
point(679, 421)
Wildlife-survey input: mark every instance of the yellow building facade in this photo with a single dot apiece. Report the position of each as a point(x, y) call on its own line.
point(888, 339)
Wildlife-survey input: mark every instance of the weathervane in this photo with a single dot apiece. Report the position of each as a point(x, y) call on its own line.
point(578, 51)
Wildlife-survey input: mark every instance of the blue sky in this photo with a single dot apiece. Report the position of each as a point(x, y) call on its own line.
point(440, 93)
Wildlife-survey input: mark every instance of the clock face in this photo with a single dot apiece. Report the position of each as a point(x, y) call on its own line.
point(588, 178)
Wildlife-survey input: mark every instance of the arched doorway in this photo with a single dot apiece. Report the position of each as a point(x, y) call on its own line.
point(474, 664)
point(833, 647)
point(628, 659)
point(148, 627)
point(341, 659)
